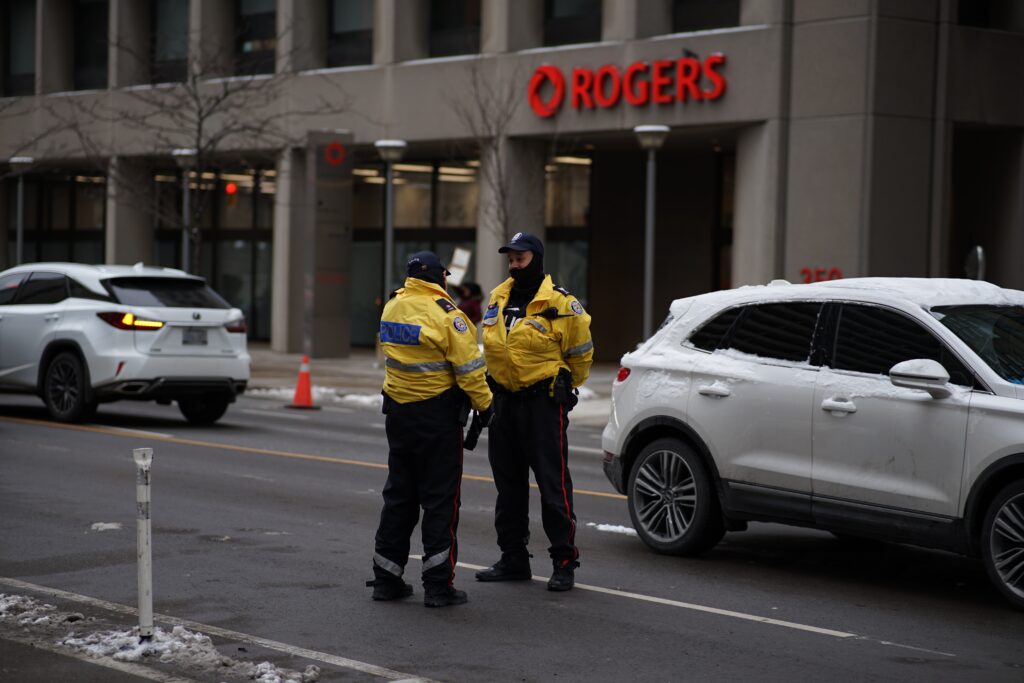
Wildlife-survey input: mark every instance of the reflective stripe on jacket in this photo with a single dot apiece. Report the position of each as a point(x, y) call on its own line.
point(430, 346)
point(537, 347)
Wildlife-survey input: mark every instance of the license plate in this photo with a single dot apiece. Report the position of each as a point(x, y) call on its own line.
point(194, 336)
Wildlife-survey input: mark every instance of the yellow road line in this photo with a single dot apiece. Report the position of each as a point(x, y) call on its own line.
point(250, 449)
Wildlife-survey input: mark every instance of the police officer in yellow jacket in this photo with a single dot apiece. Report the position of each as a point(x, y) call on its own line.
point(538, 349)
point(433, 373)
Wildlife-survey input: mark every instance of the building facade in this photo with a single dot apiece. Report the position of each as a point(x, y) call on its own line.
point(809, 139)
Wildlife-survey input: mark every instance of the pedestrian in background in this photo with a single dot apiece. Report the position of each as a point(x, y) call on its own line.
point(538, 349)
point(433, 373)
point(470, 295)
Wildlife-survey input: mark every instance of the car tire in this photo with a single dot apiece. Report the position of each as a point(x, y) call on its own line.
point(672, 500)
point(66, 389)
point(1002, 542)
point(203, 410)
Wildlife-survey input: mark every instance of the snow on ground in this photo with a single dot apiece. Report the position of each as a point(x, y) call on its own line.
point(319, 393)
point(106, 526)
point(362, 400)
point(368, 400)
point(613, 528)
point(190, 650)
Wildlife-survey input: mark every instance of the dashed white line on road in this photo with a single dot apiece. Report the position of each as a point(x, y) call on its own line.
point(209, 630)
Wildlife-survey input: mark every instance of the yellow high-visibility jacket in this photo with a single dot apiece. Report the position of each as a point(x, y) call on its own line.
point(430, 346)
point(537, 347)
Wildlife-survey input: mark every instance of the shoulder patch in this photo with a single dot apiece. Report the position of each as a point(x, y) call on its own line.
point(445, 305)
point(576, 307)
point(460, 324)
point(491, 312)
point(561, 290)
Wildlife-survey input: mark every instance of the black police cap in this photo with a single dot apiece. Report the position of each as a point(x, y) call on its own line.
point(424, 262)
point(524, 241)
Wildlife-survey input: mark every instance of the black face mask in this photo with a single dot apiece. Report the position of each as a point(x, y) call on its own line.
point(531, 276)
point(435, 275)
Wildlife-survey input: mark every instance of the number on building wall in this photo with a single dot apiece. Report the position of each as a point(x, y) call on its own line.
point(810, 275)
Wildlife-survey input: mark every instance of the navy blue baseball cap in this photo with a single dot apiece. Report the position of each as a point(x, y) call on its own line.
point(524, 241)
point(424, 262)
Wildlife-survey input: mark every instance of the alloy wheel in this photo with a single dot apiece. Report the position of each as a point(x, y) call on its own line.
point(1007, 544)
point(62, 388)
point(666, 495)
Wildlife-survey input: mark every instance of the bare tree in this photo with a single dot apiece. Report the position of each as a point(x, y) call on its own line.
point(487, 114)
point(223, 119)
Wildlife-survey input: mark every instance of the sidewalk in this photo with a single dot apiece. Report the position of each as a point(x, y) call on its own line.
point(275, 374)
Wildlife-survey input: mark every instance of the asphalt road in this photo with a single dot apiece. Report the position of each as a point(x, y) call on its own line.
point(263, 534)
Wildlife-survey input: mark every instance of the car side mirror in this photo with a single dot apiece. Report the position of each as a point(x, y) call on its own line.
point(924, 374)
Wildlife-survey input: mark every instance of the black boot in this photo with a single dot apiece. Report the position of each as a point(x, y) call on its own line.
point(508, 568)
point(443, 596)
point(389, 589)
point(563, 577)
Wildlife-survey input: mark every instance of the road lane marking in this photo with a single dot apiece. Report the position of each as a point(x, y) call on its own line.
point(132, 432)
point(294, 650)
point(260, 451)
point(271, 413)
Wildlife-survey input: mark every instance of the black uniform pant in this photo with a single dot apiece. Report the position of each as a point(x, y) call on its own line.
point(529, 433)
point(424, 471)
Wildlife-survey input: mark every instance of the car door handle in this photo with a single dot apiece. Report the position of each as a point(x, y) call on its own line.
point(50, 318)
point(838, 406)
point(716, 390)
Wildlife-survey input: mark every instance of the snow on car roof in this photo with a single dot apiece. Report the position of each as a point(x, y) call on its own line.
point(101, 271)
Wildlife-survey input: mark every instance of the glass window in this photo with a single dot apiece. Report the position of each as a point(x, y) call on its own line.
point(9, 287)
point(19, 23)
point(164, 291)
point(566, 260)
point(90, 52)
point(350, 33)
point(413, 195)
point(368, 197)
point(710, 335)
point(1002, 15)
point(567, 192)
point(995, 333)
point(77, 290)
point(700, 15)
point(783, 331)
point(43, 288)
point(169, 40)
point(457, 195)
point(572, 21)
point(90, 204)
point(257, 36)
point(236, 201)
point(872, 340)
point(454, 27)
point(234, 273)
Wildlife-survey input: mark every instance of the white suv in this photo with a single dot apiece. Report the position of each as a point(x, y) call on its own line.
point(80, 335)
point(887, 408)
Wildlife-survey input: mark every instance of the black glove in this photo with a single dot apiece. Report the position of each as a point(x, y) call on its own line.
point(562, 391)
point(481, 419)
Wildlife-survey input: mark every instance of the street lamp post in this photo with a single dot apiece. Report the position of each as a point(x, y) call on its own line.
point(390, 151)
point(186, 160)
point(20, 165)
point(651, 138)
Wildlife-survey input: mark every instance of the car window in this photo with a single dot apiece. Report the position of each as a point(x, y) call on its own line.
point(9, 287)
point(710, 335)
point(872, 340)
point(171, 292)
point(783, 331)
point(79, 291)
point(43, 288)
point(996, 333)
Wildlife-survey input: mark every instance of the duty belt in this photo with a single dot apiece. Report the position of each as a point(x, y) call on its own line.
point(535, 389)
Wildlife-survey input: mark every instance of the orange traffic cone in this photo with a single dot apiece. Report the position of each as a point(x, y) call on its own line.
point(303, 389)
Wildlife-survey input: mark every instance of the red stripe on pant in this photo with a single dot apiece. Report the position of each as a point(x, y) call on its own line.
point(565, 494)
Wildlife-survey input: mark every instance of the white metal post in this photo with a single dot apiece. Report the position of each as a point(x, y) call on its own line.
point(389, 229)
point(143, 459)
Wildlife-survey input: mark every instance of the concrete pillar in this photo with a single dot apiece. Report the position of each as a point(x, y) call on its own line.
point(54, 45)
point(129, 54)
point(400, 30)
point(301, 35)
point(286, 293)
point(211, 38)
point(511, 200)
point(129, 237)
point(7, 219)
point(511, 25)
point(757, 228)
point(631, 19)
point(755, 12)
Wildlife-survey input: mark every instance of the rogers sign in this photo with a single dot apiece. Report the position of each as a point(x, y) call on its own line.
point(662, 81)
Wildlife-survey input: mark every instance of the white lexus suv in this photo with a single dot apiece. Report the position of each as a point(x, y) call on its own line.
point(79, 335)
point(884, 408)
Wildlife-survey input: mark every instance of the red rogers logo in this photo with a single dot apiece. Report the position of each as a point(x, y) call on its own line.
point(662, 81)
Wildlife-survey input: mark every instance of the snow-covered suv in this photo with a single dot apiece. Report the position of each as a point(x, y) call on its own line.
point(80, 335)
point(886, 408)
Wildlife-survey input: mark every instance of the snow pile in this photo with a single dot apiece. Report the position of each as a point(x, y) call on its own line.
point(613, 528)
point(26, 611)
point(363, 400)
point(587, 394)
point(319, 393)
point(106, 526)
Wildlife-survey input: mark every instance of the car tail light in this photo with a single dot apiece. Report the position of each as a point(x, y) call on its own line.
point(128, 321)
point(236, 326)
point(623, 374)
